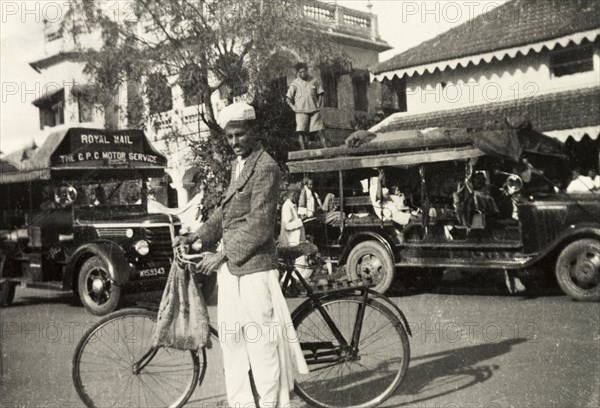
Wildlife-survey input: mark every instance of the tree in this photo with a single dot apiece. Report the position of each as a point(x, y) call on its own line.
point(236, 44)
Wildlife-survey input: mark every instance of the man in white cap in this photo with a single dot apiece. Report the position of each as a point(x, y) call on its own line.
point(252, 312)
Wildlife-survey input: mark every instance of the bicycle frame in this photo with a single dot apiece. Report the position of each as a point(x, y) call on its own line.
point(347, 349)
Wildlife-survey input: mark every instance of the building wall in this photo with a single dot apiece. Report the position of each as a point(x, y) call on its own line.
point(361, 58)
point(338, 120)
point(509, 79)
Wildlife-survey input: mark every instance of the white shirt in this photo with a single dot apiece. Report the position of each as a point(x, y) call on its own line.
point(311, 206)
point(392, 206)
point(582, 184)
point(292, 228)
point(239, 166)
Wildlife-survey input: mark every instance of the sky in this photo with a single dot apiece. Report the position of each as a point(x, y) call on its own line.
point(402, 23)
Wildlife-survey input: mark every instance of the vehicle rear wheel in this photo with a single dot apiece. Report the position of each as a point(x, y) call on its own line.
point(578, 270)
point(370, 259)
point(99, 294)
point(7, 293)
point(358, 375)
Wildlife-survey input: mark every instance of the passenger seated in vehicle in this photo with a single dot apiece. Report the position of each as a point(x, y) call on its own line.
point(100, 195)
point(473, 199)
point(387, 206)
point(509, 196)
point(483, 200)
point(309, 203)
point(580, 184)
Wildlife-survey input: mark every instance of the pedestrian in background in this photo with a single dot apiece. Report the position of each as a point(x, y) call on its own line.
point(292, 228)
point(305, 97)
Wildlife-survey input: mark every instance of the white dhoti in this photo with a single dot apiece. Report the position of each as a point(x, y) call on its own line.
point(256, 332)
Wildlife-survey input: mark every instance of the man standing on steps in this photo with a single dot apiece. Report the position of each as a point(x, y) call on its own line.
point(305, 97)
point(252, 312)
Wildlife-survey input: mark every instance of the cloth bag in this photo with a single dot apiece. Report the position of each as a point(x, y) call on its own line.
point(182, 321)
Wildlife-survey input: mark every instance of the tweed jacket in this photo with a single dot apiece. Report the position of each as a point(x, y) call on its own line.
point(247, 216)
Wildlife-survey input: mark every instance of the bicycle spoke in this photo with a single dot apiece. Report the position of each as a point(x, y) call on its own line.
point(121, 356)
point(125, 389)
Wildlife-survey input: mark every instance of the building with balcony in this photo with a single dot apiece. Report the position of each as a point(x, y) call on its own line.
point(527, 59)
point(348, 94)
point(66, 100)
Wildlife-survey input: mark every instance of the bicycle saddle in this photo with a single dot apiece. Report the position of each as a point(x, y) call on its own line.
point(294, 251)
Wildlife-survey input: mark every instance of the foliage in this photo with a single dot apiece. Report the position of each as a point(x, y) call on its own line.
point(243, 45)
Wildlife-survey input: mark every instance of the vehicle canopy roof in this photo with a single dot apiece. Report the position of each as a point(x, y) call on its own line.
point(412, 147)
point(110, 154)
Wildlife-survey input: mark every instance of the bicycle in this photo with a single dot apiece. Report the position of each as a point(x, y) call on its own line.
point(355, 342)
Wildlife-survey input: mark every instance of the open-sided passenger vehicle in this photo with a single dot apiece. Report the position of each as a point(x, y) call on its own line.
point(455, 198)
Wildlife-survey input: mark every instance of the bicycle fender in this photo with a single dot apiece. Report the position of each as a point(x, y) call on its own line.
point(110, 253)
point(308, 304)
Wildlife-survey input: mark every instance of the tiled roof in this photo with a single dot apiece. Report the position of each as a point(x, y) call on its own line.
point(516, 23)
point(564, 110)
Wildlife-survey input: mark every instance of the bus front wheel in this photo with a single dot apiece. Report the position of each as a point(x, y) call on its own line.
point(99, 294)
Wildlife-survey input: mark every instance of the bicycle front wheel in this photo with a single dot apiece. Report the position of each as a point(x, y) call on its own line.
point(358, 375)
point(115, 365)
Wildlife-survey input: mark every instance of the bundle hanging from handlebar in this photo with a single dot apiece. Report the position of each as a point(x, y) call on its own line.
point(182, 321)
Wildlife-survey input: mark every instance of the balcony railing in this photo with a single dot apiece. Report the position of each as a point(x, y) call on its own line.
point(354, 22)
point(184, 122)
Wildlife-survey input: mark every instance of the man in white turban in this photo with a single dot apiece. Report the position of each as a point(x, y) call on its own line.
point(252, 312)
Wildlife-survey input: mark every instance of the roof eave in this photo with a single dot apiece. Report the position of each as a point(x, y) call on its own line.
point(477, 59)
point(374, 44)
point(44, 63)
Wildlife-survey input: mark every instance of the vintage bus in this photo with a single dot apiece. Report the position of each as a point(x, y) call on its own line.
point(74, 216)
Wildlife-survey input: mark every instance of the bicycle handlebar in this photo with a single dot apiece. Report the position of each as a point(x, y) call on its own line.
point(186, 260)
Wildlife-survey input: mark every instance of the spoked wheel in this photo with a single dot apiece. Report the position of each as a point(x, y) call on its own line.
point(363, 375)
point(115, 365)
point(578, 270)
point(97, 291)
point(370, 259)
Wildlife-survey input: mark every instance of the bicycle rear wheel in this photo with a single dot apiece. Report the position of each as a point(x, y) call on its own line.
point(104, 365)
point(363, 376)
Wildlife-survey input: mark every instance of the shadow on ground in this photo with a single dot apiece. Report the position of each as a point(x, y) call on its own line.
point(466, 282)
point(450, 371)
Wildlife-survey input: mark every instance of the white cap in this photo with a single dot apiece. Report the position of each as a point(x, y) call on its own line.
point(236, 112)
